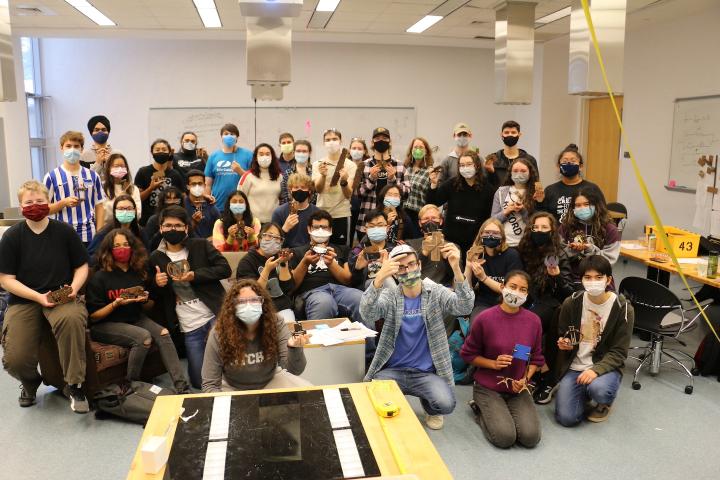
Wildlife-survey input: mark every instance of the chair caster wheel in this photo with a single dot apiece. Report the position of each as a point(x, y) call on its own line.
point(689, 389)
point(695, 371)
point(636, 385)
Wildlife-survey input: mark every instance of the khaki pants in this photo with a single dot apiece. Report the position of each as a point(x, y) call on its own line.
point(21, 334)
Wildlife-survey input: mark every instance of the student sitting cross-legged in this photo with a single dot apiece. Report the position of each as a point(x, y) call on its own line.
point(591, 359)
point(119, 319)
point(505, 345)
point(413, 348)
point(250, 347)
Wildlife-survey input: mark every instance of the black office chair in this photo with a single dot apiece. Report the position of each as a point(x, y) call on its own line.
point(652, 302)
point(618, 208)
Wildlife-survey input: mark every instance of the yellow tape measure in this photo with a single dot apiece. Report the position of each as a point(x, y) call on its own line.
point(386, 409)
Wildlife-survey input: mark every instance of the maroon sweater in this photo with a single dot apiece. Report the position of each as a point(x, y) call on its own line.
point(495, 332)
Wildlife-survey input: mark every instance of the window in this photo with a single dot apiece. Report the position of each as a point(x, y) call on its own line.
point(36, 106)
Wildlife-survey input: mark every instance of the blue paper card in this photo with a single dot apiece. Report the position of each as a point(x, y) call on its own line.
point(521, 352)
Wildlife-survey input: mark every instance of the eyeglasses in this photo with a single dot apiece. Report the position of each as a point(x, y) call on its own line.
point(176, 227)
point(250, 301)
point(270, 236)
point(408, 268)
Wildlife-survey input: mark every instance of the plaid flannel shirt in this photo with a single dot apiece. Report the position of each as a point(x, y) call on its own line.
point(368, 191)
point(419, 182)
point(437, 303)
point(284, 193)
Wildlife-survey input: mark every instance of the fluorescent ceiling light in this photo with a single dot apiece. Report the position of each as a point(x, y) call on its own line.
point(327, 5)
point(554, 16)
point(426, 22)
point(84, 7)
point(208, 13)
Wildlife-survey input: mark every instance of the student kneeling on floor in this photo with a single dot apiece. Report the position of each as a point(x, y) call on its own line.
point(591, 370)
point(250, 347)
point(413, 348)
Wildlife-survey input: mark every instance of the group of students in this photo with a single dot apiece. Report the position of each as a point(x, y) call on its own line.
point(348, 235)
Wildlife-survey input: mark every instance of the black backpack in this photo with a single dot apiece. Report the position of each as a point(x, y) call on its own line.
point(707, 358)
point(132, 401)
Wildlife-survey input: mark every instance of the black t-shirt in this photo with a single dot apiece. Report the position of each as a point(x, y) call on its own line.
point(143, 179)
point(317, 275)
point(252, 264)
point(42, 262)
point(558, 196)
point(184, 161)
point(104, 287)
point(496, 267)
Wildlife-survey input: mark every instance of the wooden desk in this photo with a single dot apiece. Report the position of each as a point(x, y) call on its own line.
point(660, 272)
point(414, 446)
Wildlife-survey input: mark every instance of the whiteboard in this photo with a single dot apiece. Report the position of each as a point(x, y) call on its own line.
point(303, 122)
point(696, 132)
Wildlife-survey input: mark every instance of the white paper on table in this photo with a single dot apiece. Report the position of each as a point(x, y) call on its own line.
point(335, 408)
point(333, 336)
point(220, 420)
point(690, 261)
point(632, 246)
point(215, 455)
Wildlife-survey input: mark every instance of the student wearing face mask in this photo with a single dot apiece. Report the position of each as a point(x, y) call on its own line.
point(118, 181)
point(250, 347)
point(400, 227)
point(515, 201)
point(227, 233)
point(413, 348)
point(154, 178)
point(468, 197)
point(168, 197)
point(226, 165)
point(95, 157)
point(550, 284)
point(556, 197)
point(186, 299)
point(418, 162)
point(189, 156)
point(486, 273)
point(503, 158)
point(359, 155)
point(203, 214)
point(301, 164)
point(448, 166)
point(272, 271)
point(365, 257)
point(380, 170)
point(287, 151)
point(294, 225)
point(588, 230)
point(430, 219)
point(76, 193)
point(124, 215)
point(591, 369)
point(261, 183)
point(333, 175)
point(505, 410)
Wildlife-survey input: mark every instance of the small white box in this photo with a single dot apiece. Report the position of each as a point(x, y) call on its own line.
point(155, 453)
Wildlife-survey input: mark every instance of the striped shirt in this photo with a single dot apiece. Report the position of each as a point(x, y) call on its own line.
point(63, 184)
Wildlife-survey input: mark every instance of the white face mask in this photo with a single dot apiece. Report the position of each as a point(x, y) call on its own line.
point(594, 288)
point(468, 172)
point(520, 178)
point(333, 146)
point(189, 145)
point(197, 190)
point(356, 154)
point(320, 236)
point(462, 141)
point(264, 161)
point(513, 298)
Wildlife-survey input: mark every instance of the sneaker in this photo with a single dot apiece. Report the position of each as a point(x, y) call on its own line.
point(600, 413)
point(78, 401)
point(27, 396)
point(434, 422)
point(474, 407)
point(544, 393)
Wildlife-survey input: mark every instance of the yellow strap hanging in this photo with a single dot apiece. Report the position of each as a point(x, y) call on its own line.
point(643, 188)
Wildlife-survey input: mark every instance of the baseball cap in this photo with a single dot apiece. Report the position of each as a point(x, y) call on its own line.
point(380, 131)
point(461, 127)
point(402, 250)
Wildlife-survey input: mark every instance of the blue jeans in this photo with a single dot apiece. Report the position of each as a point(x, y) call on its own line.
point(436, 395)
point(195, 351)
point(570, 397)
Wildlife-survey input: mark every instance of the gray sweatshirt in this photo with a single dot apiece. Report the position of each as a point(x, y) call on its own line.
point(255, 371)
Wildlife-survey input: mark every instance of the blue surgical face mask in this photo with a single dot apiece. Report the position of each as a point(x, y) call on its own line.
point(584, 213)
point(72, 155)
point(237, 208)
point(377, 234)
point(301, 157)
point(229, 140)
point(391, 202)
point(125, 216)
point(248, 314)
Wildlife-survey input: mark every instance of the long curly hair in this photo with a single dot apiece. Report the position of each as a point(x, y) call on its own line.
point(571, 224)
point(533, 257)
point(231, 331)
point(460, 182)
point(138, 260)
point(426, 162)
point(528, 201)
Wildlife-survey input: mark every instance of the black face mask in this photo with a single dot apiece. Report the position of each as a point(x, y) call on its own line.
point(491, 242)
point(511, 140)
point(300, 195)
point(161, 158)
point(381, 146)
point(540, 238)
point(569, 170)
point(430, 227)
point(173, 237)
